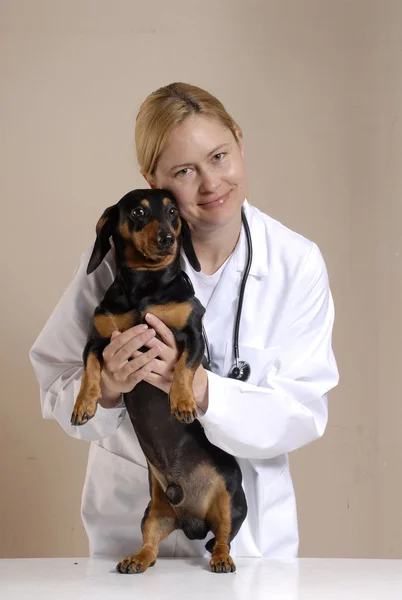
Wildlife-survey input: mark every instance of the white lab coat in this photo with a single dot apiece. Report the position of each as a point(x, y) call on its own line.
point(285, 335)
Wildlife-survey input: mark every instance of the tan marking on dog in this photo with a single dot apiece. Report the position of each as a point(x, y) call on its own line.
point(106, 324)
point(90, 391)
point(181, 394)
point(146, 240)
point(125, 231)
point(220, 521)
point(159, 476)
point(173, 314)
point(141, 248)
point(200, 488)
point(159, 523)
point(145, 203)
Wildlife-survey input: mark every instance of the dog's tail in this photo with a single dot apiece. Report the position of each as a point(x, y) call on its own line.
point(174, 493)
point(210, 544)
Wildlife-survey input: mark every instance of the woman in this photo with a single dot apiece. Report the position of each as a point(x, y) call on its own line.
point(188, 143)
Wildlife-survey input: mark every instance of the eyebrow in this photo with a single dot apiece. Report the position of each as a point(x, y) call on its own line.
point(214, 151)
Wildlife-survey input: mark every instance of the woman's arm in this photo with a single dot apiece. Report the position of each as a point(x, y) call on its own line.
point(56, 355)
point(288, 408)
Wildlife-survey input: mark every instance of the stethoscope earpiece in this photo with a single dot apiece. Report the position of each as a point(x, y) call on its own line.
point(240, 371)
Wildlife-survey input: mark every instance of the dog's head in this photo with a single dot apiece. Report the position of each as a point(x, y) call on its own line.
point(146, 229)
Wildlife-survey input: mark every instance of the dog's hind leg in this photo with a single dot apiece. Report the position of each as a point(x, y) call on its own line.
point(220, 522)
point(159, 521)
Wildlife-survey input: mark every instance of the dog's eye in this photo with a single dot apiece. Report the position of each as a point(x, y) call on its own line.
point(137, 212)
point(173, 211)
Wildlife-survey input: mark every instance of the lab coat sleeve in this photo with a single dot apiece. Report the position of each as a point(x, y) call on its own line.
point(56, 355)
point(288, 408)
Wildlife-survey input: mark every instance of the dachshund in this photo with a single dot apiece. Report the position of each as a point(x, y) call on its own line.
point(194, 486)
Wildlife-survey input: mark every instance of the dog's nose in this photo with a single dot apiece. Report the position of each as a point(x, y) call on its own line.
point(165, 240)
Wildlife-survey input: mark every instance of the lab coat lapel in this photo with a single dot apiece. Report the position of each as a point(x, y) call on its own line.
point(226, 294)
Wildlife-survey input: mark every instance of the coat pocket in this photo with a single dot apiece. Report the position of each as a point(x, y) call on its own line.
point(262, 361)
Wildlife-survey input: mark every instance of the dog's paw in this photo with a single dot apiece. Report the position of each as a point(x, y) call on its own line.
point(182, 402)
point(82, 413)
point(184, 409)
point(185, 412)
point(134, 564)
point(222, 563)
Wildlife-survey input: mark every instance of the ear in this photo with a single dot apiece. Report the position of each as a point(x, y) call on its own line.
point(239, 140)
point(188, 246)
point(104, 230)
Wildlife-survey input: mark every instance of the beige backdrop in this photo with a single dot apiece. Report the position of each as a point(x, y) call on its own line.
point(317, 88)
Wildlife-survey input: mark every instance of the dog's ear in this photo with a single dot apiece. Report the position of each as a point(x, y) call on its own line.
point(188, 246)
point(104, 230)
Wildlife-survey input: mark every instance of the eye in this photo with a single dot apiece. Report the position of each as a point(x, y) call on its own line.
point(220, 156)
point(138, 212)
point(173, 211)
point(182, 172)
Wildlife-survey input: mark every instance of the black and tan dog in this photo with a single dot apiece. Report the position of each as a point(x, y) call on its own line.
point(194, 485)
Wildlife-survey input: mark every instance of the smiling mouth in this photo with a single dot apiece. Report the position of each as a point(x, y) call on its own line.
point(221, 198)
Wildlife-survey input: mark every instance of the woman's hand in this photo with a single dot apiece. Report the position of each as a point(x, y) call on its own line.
point(124, 366)
point(161, 375)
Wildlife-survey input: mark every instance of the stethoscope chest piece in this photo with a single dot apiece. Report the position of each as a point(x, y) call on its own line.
point(240, 371)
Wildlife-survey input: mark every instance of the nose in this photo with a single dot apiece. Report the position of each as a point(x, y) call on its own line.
point(165, 240)
point(210, 181)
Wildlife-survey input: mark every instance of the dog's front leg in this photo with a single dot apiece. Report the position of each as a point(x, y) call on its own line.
point(103, 325)
point(90, 392)
point(181, 395)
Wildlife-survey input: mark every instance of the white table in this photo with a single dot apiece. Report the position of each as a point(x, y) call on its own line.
point(179, 579)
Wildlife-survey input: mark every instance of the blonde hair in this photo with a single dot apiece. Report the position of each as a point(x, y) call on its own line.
point(164, 109)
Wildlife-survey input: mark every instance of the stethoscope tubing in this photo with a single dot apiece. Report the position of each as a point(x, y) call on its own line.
point(240, 366)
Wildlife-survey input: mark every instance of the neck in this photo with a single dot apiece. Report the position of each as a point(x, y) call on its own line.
point(137, 283)
point(213, 247)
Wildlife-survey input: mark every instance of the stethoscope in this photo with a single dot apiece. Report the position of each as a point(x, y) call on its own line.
point(241, 369)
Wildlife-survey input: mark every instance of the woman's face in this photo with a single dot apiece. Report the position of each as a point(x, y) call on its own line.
point(202, 165)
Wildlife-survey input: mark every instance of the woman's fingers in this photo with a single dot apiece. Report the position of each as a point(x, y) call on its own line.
point(161, 329)
point(134, 365)
point(122, 347)
point(158, 381)
point(126, 362)
point(165, 352)
point(126, 352)
point(118, 340)
point(140, 375)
